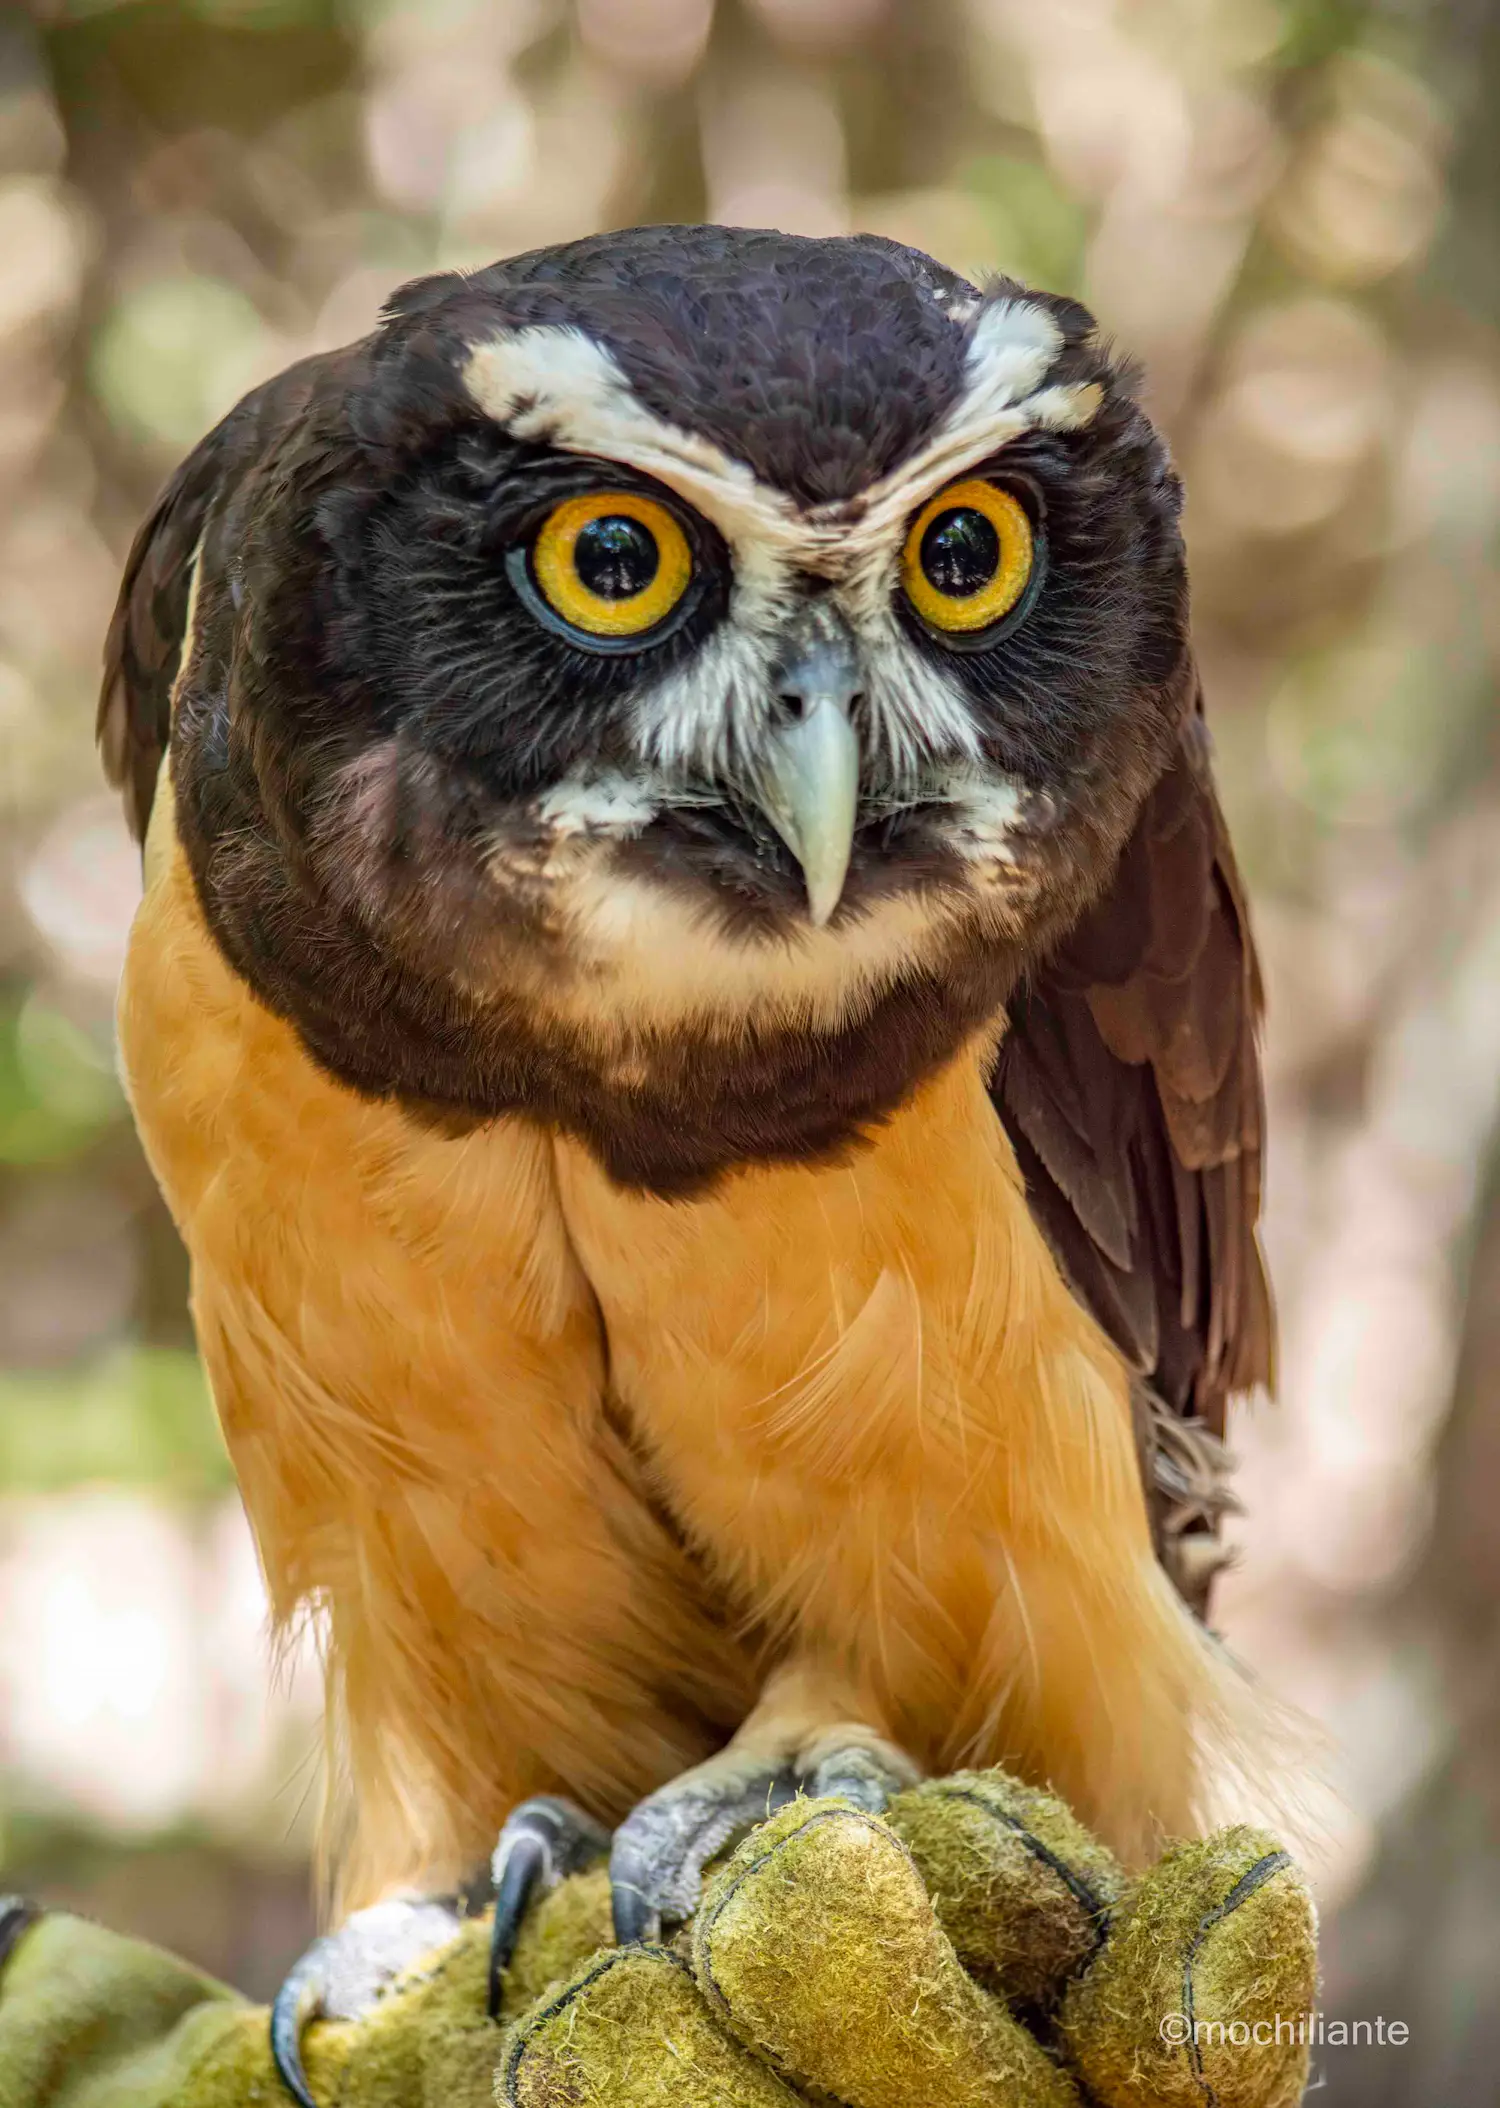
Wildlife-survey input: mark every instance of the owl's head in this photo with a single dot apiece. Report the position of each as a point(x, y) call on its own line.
point(681, 642)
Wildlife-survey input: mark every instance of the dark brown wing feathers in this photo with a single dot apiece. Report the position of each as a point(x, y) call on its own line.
point(144, 644)
point(1129, 1082)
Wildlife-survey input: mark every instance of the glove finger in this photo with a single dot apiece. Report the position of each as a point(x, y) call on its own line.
point(87, 2014)
point(1019, 1886)
point(630, 2030)
point(428, 2038)
point(1211, 1966)
point(817, 1944)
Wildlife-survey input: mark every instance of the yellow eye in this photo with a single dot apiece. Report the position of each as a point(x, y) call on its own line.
point(968, 556)
point(613, 563)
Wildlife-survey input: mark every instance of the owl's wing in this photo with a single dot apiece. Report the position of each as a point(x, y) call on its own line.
point(1129, 1083)
point(144, 644)
point(143, 649)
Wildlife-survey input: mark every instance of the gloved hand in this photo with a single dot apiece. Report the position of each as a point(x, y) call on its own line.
point(974, 1946)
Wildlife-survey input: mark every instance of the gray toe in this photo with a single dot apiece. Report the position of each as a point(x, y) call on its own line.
point(660, 1850)
point(859, 1774)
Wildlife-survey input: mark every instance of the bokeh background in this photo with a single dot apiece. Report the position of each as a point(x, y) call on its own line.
point(1290, 209)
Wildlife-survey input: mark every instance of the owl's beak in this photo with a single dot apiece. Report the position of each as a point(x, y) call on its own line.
point(807, 783)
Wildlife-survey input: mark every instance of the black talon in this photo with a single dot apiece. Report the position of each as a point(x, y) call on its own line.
point(17, 1915)
point(295, 2004)
point(637, 1923)
point(342, 1974)
point(543, 1841)
point(524, 1867)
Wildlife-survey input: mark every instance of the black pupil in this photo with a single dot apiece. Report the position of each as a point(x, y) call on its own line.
point(616, 557)
point(960, 551)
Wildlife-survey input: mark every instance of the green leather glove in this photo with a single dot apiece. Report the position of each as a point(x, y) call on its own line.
point(974, 1946)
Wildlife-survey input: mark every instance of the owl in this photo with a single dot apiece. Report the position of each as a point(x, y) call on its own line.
point(693, 1007)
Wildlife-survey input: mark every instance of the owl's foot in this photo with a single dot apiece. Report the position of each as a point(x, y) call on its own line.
point(661, 1849)
point(343, 1974)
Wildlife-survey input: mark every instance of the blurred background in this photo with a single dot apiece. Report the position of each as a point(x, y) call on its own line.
point(1290, 209)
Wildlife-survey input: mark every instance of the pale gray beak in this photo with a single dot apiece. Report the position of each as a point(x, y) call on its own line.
point(807, 780)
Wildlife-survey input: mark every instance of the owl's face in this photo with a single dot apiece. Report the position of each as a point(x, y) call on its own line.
point(692, 636)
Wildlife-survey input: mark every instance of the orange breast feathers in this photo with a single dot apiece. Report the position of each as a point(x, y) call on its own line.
point(568, 1470)
point(409, 1368)
point(897, 1435)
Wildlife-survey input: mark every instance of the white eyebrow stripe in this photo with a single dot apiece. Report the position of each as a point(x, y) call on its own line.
point(556, 385)
point(1013, 348)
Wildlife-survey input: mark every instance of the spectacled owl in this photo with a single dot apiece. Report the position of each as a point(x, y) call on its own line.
point(694, 1010)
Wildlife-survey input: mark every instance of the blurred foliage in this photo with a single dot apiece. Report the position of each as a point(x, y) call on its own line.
point(139, 1416)
point(1037, 233)
point(169, 354)
point(1289, 210)
point(57, 1087)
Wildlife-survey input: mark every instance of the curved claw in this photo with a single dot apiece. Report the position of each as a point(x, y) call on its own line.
point(17, 1915)
point(637, 1920)
point(298, 2002)
point(544, 1840)
point(524, 1868)
point(341, 1975)
point(660, 1850)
